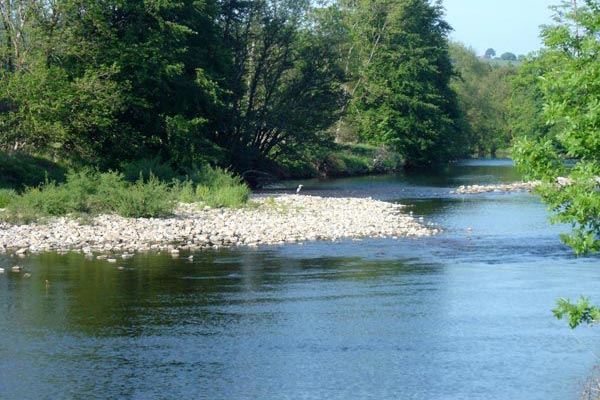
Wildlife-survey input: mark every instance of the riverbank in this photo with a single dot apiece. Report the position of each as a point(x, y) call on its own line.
point(272, 220)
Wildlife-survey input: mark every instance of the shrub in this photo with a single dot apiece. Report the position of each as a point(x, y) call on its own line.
point(149, 166)
point(202, 192)
point(184, 191)
point(220, 188)
point(143, 199)
point(88, 191)
point(6, 197)
point(47, 200)
point(91, 192)
point(227, 196)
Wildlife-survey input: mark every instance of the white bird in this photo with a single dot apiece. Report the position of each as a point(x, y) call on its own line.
point(299, 189)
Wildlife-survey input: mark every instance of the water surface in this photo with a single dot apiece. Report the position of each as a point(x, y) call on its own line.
point(463, 315)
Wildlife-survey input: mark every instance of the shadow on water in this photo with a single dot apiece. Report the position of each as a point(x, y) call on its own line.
point(430, 183)
point(462, 315)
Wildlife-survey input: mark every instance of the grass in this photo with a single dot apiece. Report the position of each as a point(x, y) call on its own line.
point(215, 187)
point(6, 196)
point(89, 192)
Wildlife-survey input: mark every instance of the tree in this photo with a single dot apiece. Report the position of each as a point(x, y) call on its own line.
point(483, 94)
point(508, 56)
point(571, 94)
point(405, 100)
point(490, 53)
point(526, 116)
point(103, 81)
point(283, 86)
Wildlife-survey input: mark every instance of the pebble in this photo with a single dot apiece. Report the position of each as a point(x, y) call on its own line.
point(506, 187)
point(277, 220)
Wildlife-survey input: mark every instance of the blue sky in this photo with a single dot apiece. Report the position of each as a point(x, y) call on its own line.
point(504, 25)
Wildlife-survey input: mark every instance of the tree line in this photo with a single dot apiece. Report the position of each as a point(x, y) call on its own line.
point(244, 84)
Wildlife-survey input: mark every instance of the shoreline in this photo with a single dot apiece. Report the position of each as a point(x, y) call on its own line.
point(264, 221)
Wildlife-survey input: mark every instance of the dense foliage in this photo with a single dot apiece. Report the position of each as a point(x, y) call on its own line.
point(242, 84)
point(570, 89)
point(403, 97)
point(484, 91)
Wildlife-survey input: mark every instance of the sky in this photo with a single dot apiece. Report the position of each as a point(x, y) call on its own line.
point(504, 25)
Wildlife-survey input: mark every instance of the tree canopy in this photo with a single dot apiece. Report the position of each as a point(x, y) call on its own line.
point(239, 84)
point(570, 91)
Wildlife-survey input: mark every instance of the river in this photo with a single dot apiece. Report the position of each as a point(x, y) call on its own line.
point(462, 315)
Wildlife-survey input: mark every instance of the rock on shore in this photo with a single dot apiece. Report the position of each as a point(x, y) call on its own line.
point(284, 219)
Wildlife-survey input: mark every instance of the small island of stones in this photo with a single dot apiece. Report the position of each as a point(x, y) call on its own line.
point(193, 227)
point(503, 187)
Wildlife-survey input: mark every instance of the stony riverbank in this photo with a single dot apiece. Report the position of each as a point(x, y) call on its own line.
point(278, 220)
point(507, 187)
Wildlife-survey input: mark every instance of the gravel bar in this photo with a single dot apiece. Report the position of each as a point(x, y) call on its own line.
point(193, 227)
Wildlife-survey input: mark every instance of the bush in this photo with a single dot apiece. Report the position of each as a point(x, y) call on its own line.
point(215, 187)
point(46, 200)
point(184, 191)
point(347, 159)
point(91, 192)
point(226, 196)
point(6, 197)
point(149, 166)
point(88, 191)
point(143, 199)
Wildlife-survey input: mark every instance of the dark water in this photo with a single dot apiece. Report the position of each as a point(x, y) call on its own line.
point(463, 315)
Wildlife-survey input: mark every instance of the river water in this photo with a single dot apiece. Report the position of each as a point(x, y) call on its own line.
point(462, 315)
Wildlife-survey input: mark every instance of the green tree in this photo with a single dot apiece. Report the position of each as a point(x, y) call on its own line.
point(508, 56)
point(103, 82)
point(571, 93)
point(490, 53)
point(405, 100)
point(526, 116)
point(284, 82)
point(483, 93)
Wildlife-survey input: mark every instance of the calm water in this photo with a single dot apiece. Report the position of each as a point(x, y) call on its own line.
point(463, 315)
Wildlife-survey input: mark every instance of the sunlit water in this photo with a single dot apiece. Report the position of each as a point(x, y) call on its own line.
point(463, 315)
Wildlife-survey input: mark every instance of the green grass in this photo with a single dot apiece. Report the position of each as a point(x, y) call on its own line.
point(89, 192)
point(225, 196)
point(6, 196)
